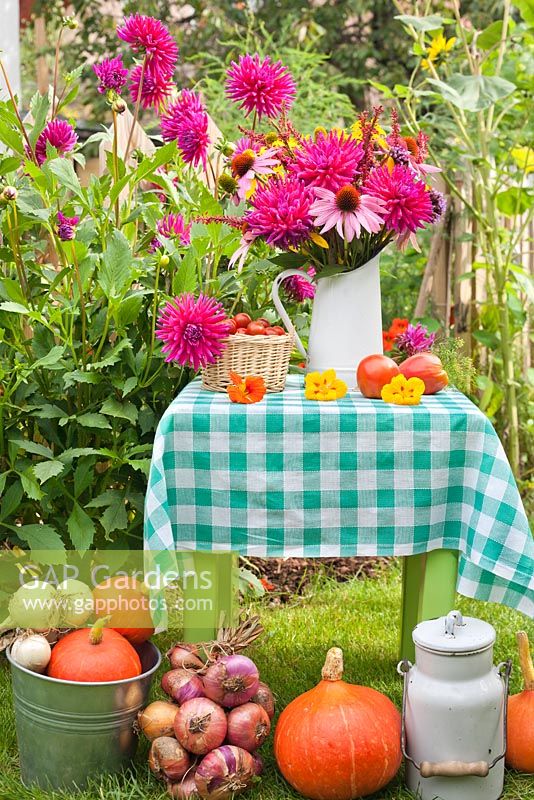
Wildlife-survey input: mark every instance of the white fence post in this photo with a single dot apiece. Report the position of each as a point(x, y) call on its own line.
point(10, 46)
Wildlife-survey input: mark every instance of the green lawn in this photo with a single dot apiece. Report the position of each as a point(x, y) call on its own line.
point(362, 617)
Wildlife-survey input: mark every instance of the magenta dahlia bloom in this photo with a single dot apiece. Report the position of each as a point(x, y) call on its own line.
point(281, 212)
point(260, 85)
point(415, 339)
point(348, 210)
point(299, 289)
point(329, 161)
point(406, 201)
point(187, 102)
point(169, 227)
point(58, 134)
point(112, 75)
point(66, 227)
point(193, 138)
point(193, 330)
point(155, 90)
point(149, 37)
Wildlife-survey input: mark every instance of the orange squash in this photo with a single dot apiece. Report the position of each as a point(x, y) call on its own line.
point(429, 368)
point(520, 728)
point(94, 655)
point(338, 741)
point(123, 599)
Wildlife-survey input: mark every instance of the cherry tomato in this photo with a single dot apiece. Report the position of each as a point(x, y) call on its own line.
point(263, 321)
point(241, 330)
point(255, 329)
point(242, 320)
point(232, 325)
point(279, 330)
point(271, 332)
point(373, 374)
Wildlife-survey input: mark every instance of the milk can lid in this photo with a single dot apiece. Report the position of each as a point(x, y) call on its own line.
point(454, 634)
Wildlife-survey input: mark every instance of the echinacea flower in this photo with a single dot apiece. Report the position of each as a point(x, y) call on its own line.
point(171, 120)
point(58, 134)
point(112, 75)
point(260, 85)
point(415, 339)
point(66, 227)
point(247, 164)
point(329, 161)
point(281, 212)
point(169, 227)
point(154, 90)
point(324, 386)
point(149, 37)
point(403, 391)
point(250, 389)
point(349, 211)
point(299, 289)
point(238, 256)
point(406, 202)
point(193, 330)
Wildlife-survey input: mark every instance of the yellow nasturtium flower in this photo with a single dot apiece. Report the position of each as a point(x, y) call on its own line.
point(439, 46)
point(324, 386)
point(524, 158)
point(403, 391)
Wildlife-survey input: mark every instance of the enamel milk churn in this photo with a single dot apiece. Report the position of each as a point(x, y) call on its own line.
point(454, 711)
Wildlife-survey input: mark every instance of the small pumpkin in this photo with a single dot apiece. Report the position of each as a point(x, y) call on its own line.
point(338, 741)
point(520, 728)
point(122, 598)
point(94, 655)
point(429, 368)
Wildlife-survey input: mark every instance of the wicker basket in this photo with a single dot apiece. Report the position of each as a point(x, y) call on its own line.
point(267, 356)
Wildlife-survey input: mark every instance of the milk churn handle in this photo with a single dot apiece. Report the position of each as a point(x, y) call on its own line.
point(280, 306)
point(453, 769)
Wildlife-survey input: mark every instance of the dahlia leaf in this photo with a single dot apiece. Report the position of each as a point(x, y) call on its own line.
point(114, 275)
point(81, 528)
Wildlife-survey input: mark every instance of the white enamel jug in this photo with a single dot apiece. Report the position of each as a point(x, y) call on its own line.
point(346, 321)
point(454, 711)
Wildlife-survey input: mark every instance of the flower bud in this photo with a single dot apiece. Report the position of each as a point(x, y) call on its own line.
point(164, 260)
point(118, 106)
point(70, 22)
point(9, 195)
point(228, 149)
point(227, 183)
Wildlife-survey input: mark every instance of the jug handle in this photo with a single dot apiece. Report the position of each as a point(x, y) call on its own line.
point(275, 295)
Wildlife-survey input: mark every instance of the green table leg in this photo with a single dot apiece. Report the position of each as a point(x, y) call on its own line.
point(428, 591)
point(209, 595)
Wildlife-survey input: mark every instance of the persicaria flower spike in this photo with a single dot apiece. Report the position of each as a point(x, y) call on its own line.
point(193, 330)
point(260, 85)
point(329, 161)
point(149, 37)
point(58, 134)
point(281, 212)
point(112, 75)
point(66, 227)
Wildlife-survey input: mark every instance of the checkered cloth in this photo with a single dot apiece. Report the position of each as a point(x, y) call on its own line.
point(294, 477)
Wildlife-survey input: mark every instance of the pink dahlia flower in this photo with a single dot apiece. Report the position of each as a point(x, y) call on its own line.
point(300, 289)
point(169, 227)
point(407, 204)
point(247, 164)
point(260, 85)
point(415, 339)
point(193, 138)
point(58, 134)
point(329, 161)
point(348, 210)
point(156, 87)
point(149, 37)
point(66, 227)
point(112, 75)
point(281, 212)
point(187, 102)
point(193, 330)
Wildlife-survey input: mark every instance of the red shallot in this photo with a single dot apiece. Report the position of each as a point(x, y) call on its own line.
point(157, 719)
point(186, 789)
point(168, 759)
point(248, 726)
point(264, 698)
point(231, 681)
point(182, 685)
point(258, 763)
point(224, 773)
point(200, 725)
point(184, 656)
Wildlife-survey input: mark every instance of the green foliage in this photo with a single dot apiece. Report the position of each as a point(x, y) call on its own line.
point(459, 367)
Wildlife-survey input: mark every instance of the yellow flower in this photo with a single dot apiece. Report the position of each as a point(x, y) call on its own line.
point(439, 46)
point(378, 133)
point(324, 386)
point(524, 158)
point(403, 391)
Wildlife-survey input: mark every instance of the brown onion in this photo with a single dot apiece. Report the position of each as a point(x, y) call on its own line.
point(184, 656)
point(157, 719)
point(224, 773)
point(231, 681)
point(264, 698)
point(186, 789)
point(167, 758)
point(200, 725)
point(248, 726)
point(182, 685)
point(258, 763)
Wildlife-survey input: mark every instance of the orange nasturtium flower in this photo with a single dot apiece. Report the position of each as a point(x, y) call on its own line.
point(324, 386)
point(250, 389)
point(403, 391)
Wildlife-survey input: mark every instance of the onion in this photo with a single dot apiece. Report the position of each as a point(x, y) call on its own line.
point(182, 685)
point(264, 698)
point(186, 789)
point(258, 763)
point(157, 719)
point(224, 773)
point(232, 681)
point(248, 726)
point(200, 725)
point(75, 603)
point(33, 606)
point(32, 652)
point(184, 656)
point(167, 758)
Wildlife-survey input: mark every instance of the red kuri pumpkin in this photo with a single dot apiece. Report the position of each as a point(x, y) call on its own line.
point(123, 599)
point(520, 728)
point(338, 741)
point(94, 655)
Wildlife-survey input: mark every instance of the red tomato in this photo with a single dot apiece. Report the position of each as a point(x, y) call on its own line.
point(373, 374)
point(255, 329)
point(271, 332)
point(242, 320)
point(123, 599)
point(232, 324)
point(241, 330)
point(263, 321)
point(279, 330)
point(429, 368)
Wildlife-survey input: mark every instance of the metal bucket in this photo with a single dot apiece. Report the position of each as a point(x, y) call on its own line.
point(69, 732)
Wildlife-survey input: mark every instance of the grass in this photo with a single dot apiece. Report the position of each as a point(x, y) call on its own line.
point(362, 617)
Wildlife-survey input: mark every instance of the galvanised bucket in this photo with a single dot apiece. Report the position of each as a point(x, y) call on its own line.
point(69, 732)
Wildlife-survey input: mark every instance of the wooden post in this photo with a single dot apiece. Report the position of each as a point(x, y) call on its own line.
point(43, 74)
point(10, 47)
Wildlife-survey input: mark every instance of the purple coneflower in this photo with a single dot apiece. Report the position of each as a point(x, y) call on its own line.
point(239, 255)
point(112, 75)
point(300, 289)
point(281, 212)
point(156, 88)
point(58, 134)
point(348, 210)
point(193, 330)
point(415, 339)
point(169, 227)
point(329, 161)
point(406, 201)
point(66, 227)
point(260, 85)
point(149, 37)
point(247, 164)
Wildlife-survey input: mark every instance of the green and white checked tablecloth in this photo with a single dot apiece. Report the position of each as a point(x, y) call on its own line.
point(294, 477)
